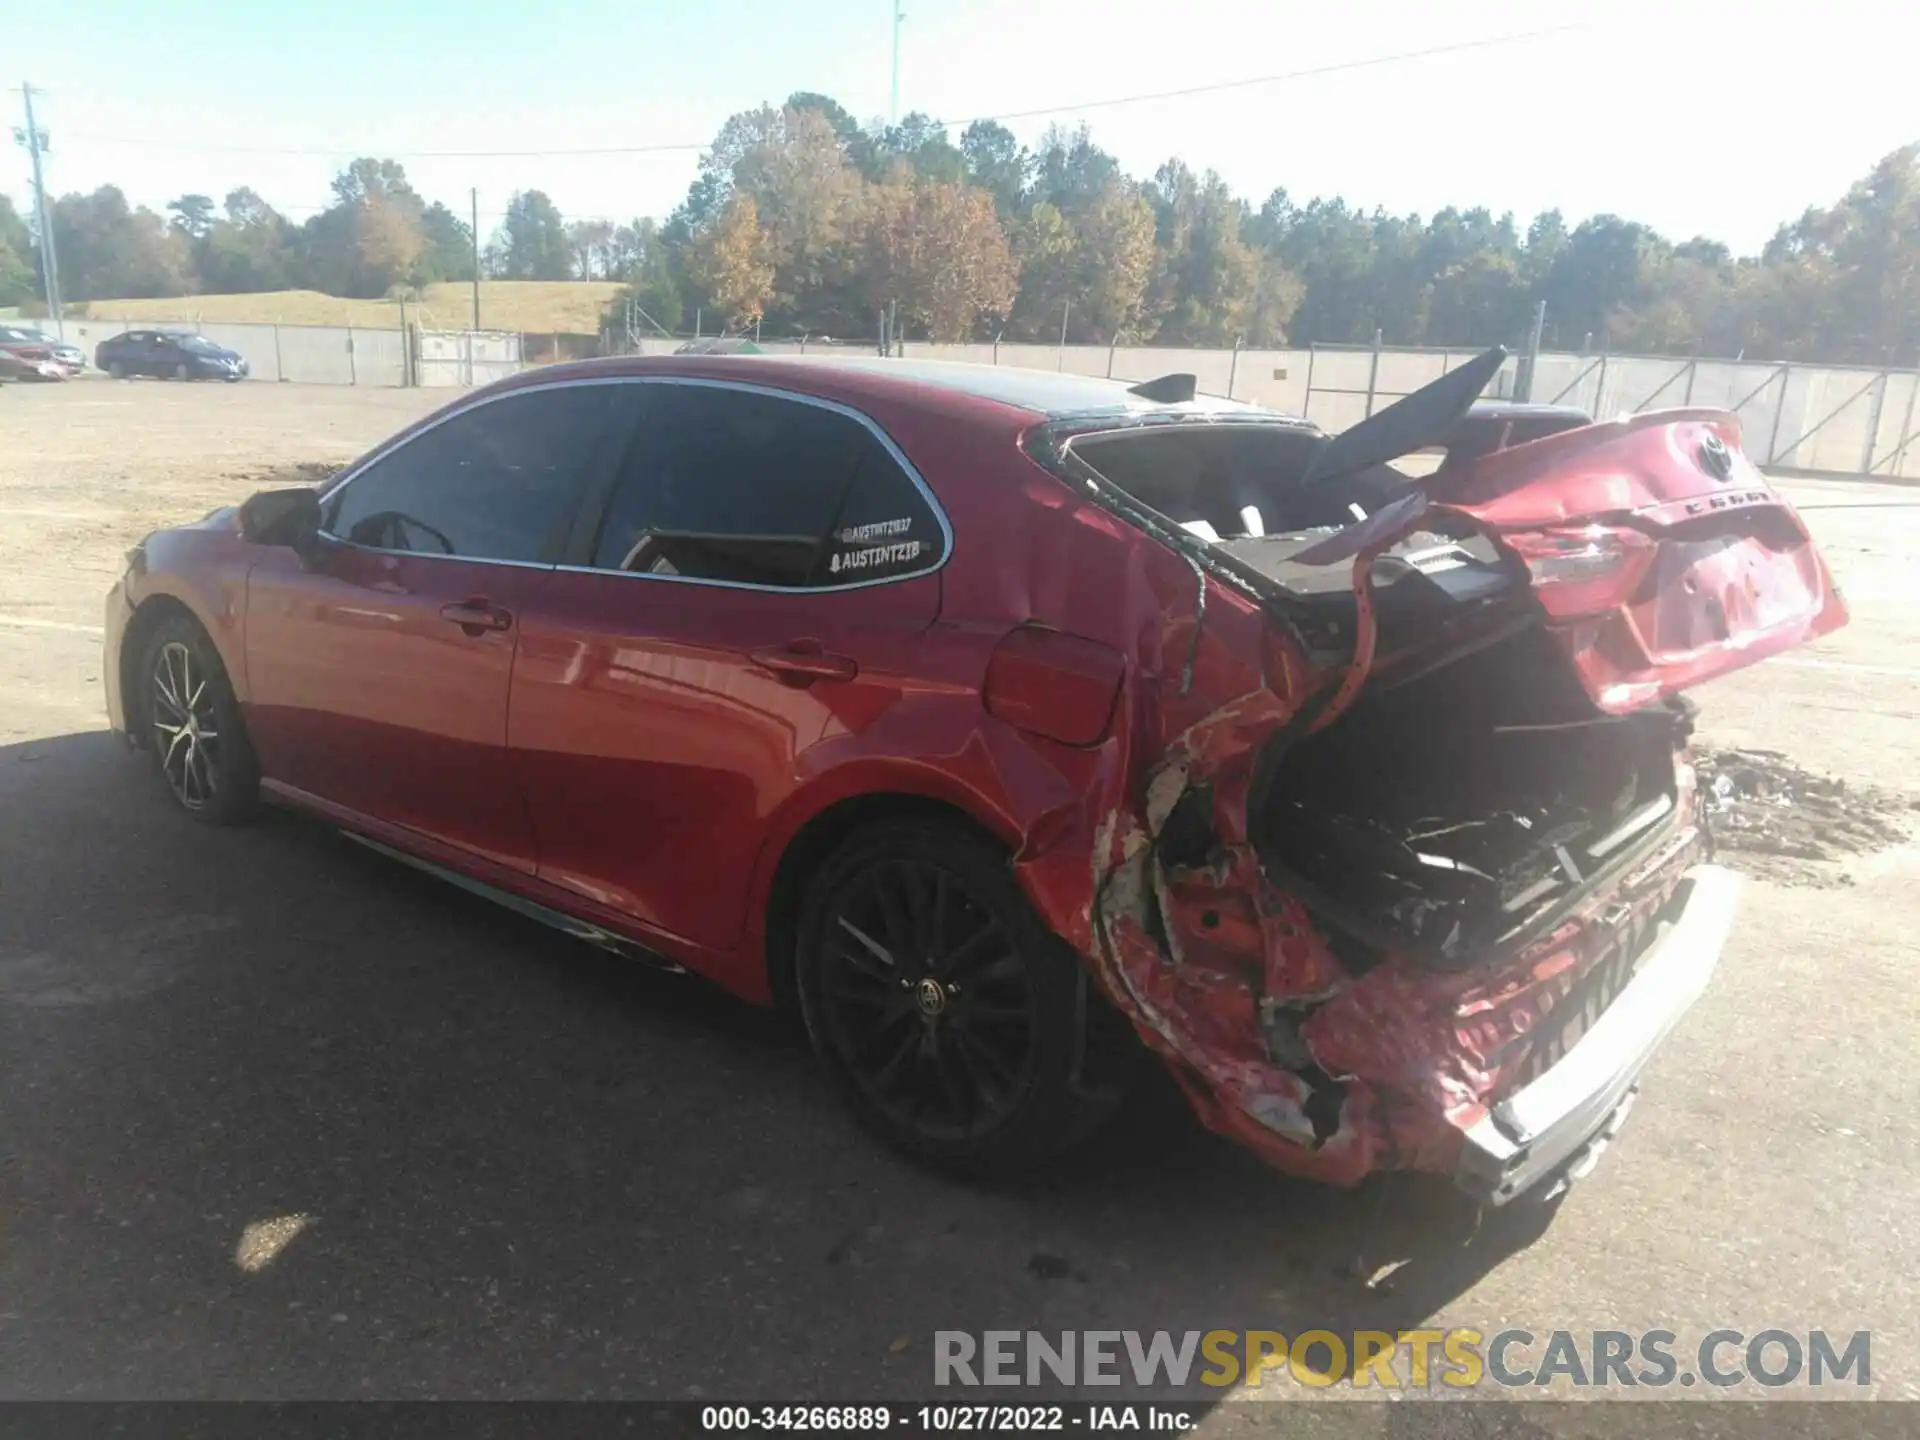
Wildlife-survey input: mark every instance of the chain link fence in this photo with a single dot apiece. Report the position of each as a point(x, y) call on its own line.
point(1816, 419)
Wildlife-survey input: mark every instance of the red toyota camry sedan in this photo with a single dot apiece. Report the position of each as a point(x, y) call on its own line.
point(1011, 726)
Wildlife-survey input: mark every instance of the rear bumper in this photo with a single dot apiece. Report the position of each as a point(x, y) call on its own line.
point(1557, 1125)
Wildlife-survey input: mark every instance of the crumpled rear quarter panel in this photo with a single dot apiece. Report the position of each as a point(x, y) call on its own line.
point(1403, 1058)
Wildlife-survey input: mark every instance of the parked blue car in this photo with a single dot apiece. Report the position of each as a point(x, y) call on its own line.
point(169, 355)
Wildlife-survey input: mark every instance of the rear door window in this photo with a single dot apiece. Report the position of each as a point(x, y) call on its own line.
point(749, 488)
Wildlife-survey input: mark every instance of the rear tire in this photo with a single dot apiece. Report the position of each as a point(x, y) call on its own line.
point(194, 727)
point(182, 372)
point(962, 1032)
point(117, 370)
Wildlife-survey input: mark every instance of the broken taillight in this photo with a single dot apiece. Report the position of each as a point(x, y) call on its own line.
point(1581, 570)
point(1054, 684)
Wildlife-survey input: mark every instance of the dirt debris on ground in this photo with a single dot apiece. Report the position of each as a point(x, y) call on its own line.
point(1783, 823)
point(299, 472)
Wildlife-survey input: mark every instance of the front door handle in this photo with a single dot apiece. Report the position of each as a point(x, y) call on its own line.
point(801, 662)
point(477, 616)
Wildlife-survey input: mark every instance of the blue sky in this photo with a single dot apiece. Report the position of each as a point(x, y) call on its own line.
point(1699, 116)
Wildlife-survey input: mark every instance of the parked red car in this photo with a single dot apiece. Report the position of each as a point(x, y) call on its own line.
point(29, 354)
point(995, 718)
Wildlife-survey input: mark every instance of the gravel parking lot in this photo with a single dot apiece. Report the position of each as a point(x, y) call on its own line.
point(281, 1119)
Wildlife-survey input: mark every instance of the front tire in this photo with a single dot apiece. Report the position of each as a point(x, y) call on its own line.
point(962, 1032)
point(194, 726)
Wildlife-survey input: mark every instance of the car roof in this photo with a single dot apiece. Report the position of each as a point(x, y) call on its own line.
point(938, 384)
point(1044, 392)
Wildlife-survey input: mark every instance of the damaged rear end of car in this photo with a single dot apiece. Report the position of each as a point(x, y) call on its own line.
point(1403, 869)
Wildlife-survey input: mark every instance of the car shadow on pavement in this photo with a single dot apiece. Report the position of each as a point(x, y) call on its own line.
point(286, 1119)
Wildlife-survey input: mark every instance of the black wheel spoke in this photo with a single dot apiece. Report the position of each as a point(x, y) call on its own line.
point(866, 955)
point(941, 1056)
point(896, 1042)
point(977, 948)
point(913, 887)
point(899, 924)
point(937, 940)
point(986, 1012)
point(991, 1075)
point(982, 1058)
point(1007, 1049)
point(889, 1005)
point(1004, 970)
point(877, 1041)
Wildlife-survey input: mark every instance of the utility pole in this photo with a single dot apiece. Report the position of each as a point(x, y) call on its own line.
point(893, 106)
point(473, 200)
point(1531, 359)
point(36, 144)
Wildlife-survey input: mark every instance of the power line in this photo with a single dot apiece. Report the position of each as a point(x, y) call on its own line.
point(1338, 66)
point(1310, 72)
point(285, 210)
point(380, 150)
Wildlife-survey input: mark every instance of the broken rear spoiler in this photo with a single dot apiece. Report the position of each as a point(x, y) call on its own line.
point(1446, 415)
point(1492, 425)
point(1419, 421)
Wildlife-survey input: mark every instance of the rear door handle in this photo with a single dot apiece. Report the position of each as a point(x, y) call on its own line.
point(800, 662)
point(477, 616)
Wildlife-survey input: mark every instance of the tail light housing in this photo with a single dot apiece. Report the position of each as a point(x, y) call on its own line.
point(1050, 683)
point(1585, 569)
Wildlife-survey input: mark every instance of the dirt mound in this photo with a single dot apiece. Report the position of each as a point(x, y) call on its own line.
point(299, 472)
point(1777, 821)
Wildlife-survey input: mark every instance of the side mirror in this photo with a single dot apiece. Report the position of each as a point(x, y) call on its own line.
point(281, 517)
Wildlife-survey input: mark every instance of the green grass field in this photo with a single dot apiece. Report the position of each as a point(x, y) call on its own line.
point(537, 306)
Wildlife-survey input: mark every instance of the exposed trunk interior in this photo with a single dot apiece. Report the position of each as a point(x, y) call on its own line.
point(1241, 487)
point(1455, 814)
point(1236, 479)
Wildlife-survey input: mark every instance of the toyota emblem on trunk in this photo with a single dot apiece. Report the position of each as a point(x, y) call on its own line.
point(1715, 458)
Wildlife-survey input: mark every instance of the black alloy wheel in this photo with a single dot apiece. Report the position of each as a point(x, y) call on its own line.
point(925, 1000)
point(952, 1019)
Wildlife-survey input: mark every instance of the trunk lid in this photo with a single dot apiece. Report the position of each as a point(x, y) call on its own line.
point(1658, 552)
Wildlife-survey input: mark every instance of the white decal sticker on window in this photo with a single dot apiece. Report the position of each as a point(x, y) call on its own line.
point(875, 555)
point(878, 530)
